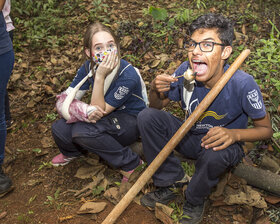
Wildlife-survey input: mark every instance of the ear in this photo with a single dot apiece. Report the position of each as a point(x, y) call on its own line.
point(226, 52)
point(87, 52)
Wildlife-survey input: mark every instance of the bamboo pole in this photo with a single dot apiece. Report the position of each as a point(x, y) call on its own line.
point(177, 137)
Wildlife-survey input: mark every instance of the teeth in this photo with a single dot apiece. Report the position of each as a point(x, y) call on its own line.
point(197, 61)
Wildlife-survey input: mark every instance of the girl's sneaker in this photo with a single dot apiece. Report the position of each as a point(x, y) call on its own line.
point(127, 174)
point(61, 160)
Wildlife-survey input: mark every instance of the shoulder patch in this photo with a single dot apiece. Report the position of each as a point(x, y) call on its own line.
point(254, 99)
point(121, 92)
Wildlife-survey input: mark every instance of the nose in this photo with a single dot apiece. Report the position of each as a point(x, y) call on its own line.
point(197, 50)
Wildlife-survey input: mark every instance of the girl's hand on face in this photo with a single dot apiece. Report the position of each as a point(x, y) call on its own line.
point(107, 65)
point(96, 115)
point(218, 138)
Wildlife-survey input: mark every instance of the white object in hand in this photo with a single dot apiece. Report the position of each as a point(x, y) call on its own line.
point(71, 96)
point(189, 75)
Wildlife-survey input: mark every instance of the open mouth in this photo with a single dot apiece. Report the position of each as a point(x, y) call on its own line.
point(199, 66)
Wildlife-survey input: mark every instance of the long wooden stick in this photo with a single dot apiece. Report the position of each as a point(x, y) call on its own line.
point(182, 131)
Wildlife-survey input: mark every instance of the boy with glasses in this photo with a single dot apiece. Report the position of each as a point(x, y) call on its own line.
point(215, 140)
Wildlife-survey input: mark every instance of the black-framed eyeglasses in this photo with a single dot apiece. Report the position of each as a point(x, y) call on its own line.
point(205, 46)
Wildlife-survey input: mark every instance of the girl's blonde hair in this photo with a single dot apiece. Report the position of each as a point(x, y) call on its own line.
point(91, 31)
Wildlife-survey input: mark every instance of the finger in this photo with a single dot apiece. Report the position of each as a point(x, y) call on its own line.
point(215, 143)
point(113, 60)
point(166, 78)
point(100, 109)
point(223, 146)
point(210, 138)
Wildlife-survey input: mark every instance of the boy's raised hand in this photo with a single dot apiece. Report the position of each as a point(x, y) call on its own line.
point(218, 138)
point(162, 83)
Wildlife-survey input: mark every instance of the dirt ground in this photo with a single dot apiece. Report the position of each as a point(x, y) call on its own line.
point(27, 203)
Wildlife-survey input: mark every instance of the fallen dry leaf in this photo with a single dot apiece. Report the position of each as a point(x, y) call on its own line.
point(92, 207)
point(112, 194)
point(126, 41)
point(155, 63)
point(164, 208)
point(263, 220)
point(180, 43)
point(272, 199)
point(46, 142)
point(162, 216)
point(85, 172)
point(3, 214)
point(62, 219)
point(248, 197)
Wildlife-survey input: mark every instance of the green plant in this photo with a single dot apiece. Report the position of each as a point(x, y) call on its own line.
point(53, 201)
point(188, 168)
point(97, 191)
point(177, 214)
point(158, 14)
point(45, 24)
point(99, 11)
point(200, 4)
point(23, 218)
point(32, 199)
point(264, 66)
point(183, 15)
point(37, 150)
point(45, 165)
point(50, 117)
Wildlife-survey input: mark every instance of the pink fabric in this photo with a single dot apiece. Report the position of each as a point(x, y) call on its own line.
point(6, 12)
point(77, 109)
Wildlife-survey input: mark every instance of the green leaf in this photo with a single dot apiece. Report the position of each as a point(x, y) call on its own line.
point(157, 13)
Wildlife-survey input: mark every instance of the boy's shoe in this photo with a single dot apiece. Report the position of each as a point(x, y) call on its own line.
point(127, 174)
point(61, 160)
point(193, 213)
point(5, 183)
point(162, 195)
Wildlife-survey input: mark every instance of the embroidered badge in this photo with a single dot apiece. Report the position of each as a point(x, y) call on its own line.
point(254, 99)
point(121, 92)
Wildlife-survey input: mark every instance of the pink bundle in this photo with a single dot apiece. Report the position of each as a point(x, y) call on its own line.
point(77, 109)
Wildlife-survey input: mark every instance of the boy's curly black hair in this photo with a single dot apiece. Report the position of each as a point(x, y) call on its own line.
point(211, 21)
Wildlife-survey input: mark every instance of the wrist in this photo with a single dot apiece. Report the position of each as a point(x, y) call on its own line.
point(236, 135)
point(153, 87)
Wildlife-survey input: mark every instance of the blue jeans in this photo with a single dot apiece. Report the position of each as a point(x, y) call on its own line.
point(6, 67)
point(156, 129)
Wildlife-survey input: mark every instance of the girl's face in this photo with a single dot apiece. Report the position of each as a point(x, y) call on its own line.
point(102, 44)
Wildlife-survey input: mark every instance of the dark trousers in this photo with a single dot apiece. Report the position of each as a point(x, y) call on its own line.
point(157, 127)
point(109, 138)
point(6, 67)
point(7, 101)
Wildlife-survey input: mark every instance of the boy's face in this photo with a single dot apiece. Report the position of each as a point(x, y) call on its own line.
point(208, 65)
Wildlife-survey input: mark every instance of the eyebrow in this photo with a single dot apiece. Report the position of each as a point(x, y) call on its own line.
point(209, 38)
point(111, 41)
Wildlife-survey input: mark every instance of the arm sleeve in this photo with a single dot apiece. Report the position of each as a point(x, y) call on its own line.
point(123, 89)
point(252, 100)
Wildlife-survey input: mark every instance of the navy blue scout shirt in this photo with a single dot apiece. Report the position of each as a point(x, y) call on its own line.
point(240, 98)
point(5, 41)
point(122, 91)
